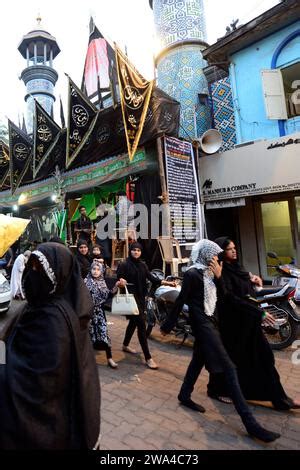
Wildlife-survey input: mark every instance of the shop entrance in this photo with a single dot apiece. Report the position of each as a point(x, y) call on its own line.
point(279, 227)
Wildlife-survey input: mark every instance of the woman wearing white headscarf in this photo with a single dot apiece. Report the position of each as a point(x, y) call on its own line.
point(16, 276)
point(199, 292)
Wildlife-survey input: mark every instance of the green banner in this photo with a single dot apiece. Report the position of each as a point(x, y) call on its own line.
point(105, 194)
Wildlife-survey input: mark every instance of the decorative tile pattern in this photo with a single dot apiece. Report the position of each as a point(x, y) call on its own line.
point(178, 20)
point(223, 112)
point(180, 74)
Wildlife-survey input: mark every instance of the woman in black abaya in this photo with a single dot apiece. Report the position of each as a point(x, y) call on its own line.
point(136, 272)
point(49, 387)
point(242, 335)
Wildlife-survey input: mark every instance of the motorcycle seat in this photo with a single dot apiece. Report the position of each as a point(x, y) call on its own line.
point(268, 290)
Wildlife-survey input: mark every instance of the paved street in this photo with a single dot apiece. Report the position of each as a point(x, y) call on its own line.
point(140, 408)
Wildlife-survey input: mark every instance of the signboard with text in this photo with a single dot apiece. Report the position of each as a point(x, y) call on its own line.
point(262, 167)
point(183, 191)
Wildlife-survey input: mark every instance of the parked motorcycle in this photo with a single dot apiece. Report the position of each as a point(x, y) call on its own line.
point(286, 272)
point(279, 302)
point(160, 301)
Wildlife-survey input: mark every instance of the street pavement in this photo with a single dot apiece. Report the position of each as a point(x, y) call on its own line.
point(140, 408)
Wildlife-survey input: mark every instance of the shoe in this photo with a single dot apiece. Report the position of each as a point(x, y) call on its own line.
point(189, 403)
point(256, 431)
point(128, 349)
point(111, 363)
point(151, 364)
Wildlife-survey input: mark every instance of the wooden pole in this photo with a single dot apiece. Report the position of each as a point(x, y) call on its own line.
point(201, 208)
point(163, 183)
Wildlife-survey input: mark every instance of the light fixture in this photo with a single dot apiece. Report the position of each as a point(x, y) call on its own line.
point(54, 197)
point(22, 199)
point(15, 208)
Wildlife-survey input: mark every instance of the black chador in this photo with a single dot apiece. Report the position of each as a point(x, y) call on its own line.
point(49, 386)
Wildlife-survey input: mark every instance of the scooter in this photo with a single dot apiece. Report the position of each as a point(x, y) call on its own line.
point(286, 272)
point(279, 302)
point(160, 301)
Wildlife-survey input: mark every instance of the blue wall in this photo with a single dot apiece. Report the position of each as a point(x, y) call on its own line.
point(245, 75)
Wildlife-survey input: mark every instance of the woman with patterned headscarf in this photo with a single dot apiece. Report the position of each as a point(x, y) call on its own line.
point(100, 293)
point(199, 292)
point(49, 386)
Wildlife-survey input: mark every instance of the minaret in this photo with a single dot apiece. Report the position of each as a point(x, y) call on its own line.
point(181, 30)
point(39, 49)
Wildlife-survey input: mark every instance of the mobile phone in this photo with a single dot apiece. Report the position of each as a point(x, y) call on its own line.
point(221, 257)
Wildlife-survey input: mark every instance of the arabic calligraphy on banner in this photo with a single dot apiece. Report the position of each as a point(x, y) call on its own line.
point(135, 92)
point(82, 119)
point(20, 153)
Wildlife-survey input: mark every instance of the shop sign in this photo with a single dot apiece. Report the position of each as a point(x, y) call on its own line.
point(262, 167)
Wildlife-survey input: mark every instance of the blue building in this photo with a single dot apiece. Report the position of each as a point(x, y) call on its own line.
point(39, 49)
point(252, 188)
point(263, 62)
point(181, 30)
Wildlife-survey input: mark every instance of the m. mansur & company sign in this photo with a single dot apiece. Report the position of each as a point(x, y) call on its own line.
point(251, 170)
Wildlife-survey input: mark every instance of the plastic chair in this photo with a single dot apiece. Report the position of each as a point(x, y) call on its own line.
point(166, 247)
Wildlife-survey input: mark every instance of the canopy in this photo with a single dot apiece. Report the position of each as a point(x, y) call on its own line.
point(11, 228)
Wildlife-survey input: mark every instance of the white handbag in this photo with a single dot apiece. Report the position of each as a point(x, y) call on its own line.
point(124, 304)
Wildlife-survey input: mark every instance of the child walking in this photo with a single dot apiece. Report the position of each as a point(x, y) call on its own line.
point(98, 326)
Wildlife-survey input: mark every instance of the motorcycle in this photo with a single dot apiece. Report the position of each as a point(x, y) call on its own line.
point(160, 301)
point(279, 302)
point(286, 272)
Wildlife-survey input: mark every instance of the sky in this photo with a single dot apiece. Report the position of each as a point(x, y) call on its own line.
point(128, 22)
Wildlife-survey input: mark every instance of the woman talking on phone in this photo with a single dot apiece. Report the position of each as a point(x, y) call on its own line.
point(240, 327)
point(199, 292)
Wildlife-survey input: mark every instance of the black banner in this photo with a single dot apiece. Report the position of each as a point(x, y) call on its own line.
point(4, 166)
point(57, 157)
point(46, 134)
point(163, 117)
point(135, 94)
point(20, 154)
point(183, 190)
point(108, 136)
point(82, 118)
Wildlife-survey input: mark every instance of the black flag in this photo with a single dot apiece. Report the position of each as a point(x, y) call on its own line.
point(100, 70)
point(81, 121)
point(62, 114)
point(46, 134)
point(4, 165)
point(135, 94)
point(20, 154)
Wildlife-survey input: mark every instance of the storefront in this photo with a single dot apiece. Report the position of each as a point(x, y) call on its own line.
point(41, 202)
point(252, 193)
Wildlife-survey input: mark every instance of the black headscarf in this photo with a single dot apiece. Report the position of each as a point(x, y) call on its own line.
point(84, 261)
point(49, 388)
point(135, 271)
point(234, 274)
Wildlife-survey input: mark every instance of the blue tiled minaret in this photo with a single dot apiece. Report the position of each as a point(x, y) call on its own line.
point(39, 49)
point(181, 30)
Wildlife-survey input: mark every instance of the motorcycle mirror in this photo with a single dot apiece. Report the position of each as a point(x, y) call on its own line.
point(272, 254)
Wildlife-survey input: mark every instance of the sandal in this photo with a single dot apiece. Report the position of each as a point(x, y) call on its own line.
point(112, 364)
point(221, 399)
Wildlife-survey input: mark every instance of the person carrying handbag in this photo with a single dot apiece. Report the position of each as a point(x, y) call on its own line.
point(134, 273)
point(100, 293)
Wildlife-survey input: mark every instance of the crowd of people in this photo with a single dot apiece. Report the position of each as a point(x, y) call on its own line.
point(51, 394)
